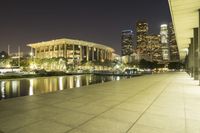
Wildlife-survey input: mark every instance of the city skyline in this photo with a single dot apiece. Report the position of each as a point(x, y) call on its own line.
point(99, 22)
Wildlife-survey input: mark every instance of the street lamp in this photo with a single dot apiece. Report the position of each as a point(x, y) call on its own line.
point(33, 65)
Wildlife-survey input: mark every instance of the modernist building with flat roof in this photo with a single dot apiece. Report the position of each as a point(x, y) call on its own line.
point(72, 50)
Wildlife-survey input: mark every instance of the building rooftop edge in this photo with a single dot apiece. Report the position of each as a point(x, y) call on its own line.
point(70, 41)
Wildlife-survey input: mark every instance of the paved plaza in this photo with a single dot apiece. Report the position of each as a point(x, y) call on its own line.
point(159, 103)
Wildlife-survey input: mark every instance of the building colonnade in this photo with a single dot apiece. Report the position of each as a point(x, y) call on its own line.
point(194, 53)
point(72, 52)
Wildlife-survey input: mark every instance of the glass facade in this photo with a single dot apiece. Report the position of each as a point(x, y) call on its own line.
point(127, 42)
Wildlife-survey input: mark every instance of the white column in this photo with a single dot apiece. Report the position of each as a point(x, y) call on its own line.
point(81, 53)
point(87, 53)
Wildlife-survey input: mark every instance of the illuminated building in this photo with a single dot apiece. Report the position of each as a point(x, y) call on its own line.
point(72, 50)
point(141, 39)
point(154, 48)
point(127, 42)
point(141, 32)
point(164, 42)
point(174, 53)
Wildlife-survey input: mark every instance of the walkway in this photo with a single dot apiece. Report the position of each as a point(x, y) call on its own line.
point(160, 103)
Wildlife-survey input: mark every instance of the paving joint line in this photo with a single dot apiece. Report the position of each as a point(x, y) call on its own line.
point(146, 88)
point(148, 106)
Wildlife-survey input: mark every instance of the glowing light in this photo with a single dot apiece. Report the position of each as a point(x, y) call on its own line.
point(3, 89)
point(78, 81)
point(14, 86)
point(117, 66)
point(71, 82)
point(60, 83)
point(163, 25)
point(31, 87)
point(33, 66)
point(8, 66)
point(118, 78)
point(31, 54)
point(185, 50)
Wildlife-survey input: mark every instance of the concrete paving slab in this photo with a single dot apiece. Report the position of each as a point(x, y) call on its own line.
point(44, 126)
point(160, 103)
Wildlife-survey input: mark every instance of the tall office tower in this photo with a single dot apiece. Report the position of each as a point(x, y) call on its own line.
point(173, 47)
point(154, 48)
point(164, 42)
point(127, 42)
point(141, 39)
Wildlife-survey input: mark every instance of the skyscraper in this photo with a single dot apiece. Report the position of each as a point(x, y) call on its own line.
point(141, 32)
point(164, 42)
point(127, 42)
point(141, 39)
point(174, 53)
point(154, 48)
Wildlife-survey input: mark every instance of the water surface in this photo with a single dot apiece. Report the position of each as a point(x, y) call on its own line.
point(40, 85)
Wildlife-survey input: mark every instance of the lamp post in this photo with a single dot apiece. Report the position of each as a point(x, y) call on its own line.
point(32, 59)
point(19, 56)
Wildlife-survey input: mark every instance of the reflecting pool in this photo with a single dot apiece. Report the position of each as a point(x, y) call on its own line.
point(32, 86)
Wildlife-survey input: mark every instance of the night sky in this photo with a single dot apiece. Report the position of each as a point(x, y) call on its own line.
point(100, 21)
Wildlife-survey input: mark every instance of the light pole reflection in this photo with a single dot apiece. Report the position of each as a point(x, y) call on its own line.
point(60, 83)
point(3, 89)
point(31, 87)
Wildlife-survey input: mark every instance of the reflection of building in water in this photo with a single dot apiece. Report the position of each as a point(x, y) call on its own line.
point(60, 83)
point(87, 80)
point(22, 87)
point(10, 89)
point(31, 92)
point(118, 78)
point(14, 87)
point(3, 90)
point(71, 82)
point(78, 81)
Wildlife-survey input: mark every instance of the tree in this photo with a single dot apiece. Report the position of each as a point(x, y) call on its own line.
point(5, 62)
point(4, 55)
point(175, 65)
point(144, 64)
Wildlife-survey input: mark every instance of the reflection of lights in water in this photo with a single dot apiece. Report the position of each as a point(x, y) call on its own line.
point(87, 80)
point(102, 80)
point(60, 83)
point(118, 78)
point(3, 89)
point(78, 81)
point(14, 86)
point(31, 87)
point(90, 79)
point(71, 82)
